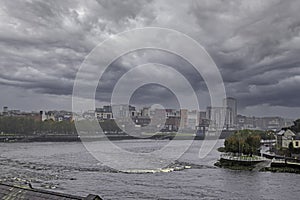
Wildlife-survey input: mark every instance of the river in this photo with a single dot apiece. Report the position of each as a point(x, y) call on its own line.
point(70, 168)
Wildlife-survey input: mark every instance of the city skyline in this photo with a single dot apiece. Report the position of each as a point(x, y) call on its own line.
point(139, 107)
point(185, 118)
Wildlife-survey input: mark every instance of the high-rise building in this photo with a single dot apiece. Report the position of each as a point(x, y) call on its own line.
point(192, 119)
point(231, 111)
point(184, 118)
point(216, 117)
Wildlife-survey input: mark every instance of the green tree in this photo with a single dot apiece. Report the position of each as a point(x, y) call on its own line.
point(246, 141)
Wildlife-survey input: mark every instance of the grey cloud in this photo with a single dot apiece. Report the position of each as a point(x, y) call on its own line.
point(255, 44)
point(118, 68)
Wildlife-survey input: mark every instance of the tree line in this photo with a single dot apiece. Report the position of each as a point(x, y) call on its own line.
point(29, 126)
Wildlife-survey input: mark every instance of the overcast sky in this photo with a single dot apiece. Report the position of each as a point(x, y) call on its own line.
point(255, 44)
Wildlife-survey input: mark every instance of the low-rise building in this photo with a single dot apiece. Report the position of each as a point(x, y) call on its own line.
point(141, 121)
point(262, 123)
point(172, 123)
point(104, 113)
point(123, 111)
point(90, 114)
point(284, 138)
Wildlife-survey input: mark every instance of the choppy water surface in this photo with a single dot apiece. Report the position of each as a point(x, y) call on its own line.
point(69, 168)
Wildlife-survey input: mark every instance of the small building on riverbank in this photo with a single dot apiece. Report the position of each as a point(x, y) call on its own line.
point(284, 138)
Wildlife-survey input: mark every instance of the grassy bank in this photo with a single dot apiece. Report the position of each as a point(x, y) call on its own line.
point(281, 170)
point(233, 166)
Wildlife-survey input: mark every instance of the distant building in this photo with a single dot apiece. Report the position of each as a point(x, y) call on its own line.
point(158, 117)
point(216, 117)
point(120, 112)
point(141, 121)
point(222, 117)
point(123, 111)
point(244, 122)
point(172, 113)
point(192, 119)
point(184, 118)
point(90, 114)
point(202, 115)
point(5, 111)
point(50, 115)
point(145, 112)
point(270, 123)
point(230, 105)
point(14, 112)
point(172, 119)
point(43, 116)
point(133, 112)
point(11, 113)
point(262, 123)
point(172, 123)
point(104, 113)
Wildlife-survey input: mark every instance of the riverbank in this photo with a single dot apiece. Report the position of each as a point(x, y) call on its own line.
point(280, 170)
point(235, 166)
point(76, 138)
point(239, 162)
point(262, 165)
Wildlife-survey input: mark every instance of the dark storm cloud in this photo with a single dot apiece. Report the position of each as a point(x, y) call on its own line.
point(136, 58)
point(43, 46)
point(257, 49)
point(156, 94)
point(255, 44)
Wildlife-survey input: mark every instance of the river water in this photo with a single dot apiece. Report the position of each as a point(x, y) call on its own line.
point(70, 168)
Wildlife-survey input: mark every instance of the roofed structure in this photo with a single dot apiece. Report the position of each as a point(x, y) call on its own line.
point(9, 192)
